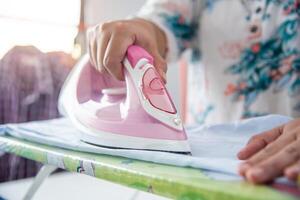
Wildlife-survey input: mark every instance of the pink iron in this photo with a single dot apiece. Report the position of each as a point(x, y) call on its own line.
point(136, 115)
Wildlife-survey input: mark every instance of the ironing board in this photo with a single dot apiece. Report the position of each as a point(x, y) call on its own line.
point(169, 181)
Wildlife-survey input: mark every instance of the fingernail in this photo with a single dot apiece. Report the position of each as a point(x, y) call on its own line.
point(243, 168)
point(240, 154)
point(255, 175)
point(292, 173)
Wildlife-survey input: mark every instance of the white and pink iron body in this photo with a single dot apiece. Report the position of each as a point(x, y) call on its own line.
point(137, 114)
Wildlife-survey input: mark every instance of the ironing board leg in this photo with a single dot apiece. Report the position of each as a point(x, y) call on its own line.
point(44, 172)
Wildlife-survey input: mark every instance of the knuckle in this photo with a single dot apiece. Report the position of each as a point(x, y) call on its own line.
point(255, 137)
point(103, 27)
point(271, 166)
point(293, 151)
point(121, 27)
point(258, 137)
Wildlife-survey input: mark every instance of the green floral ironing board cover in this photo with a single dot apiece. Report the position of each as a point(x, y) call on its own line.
point(169, 181)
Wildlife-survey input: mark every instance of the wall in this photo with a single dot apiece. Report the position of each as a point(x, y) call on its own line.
point(103, 10)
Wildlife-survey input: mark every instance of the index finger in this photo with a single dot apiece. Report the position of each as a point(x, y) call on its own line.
point(258, 142)
point(115, 52)
point(274, 166)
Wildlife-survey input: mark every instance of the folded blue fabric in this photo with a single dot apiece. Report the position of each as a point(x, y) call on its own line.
point(214, 147)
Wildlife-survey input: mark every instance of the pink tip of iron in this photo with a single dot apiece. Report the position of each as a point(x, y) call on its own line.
point(135, 114)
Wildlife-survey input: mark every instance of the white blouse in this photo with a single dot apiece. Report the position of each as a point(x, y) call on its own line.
point(245, 55)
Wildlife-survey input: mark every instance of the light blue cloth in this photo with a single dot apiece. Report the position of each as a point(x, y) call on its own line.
point(214, 148)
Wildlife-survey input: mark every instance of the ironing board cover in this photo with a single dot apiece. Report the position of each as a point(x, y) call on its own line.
point(169, 181)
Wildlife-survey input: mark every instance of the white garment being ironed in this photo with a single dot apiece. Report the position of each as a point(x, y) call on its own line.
point(214, 148)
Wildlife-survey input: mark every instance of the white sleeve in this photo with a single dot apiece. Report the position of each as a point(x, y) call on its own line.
point(177, 18)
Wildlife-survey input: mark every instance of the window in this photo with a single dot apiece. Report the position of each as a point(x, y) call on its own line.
point(50, 25)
